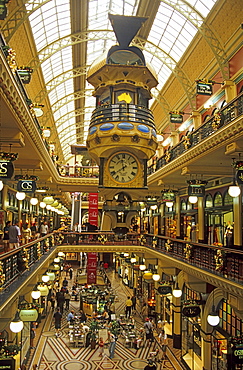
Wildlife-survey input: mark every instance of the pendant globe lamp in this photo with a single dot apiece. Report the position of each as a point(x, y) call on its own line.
point(234, 189)
point(213, 318)
point(17, 324)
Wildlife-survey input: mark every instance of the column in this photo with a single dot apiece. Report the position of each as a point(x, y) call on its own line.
point(201, 220)
point(237, 214)
point(175, 138)
point(162, 218)
point(178, 217)
point(5, 197)
point(206, 351)
point(176, 326)
point(197, 119)
point(230, 90)
point(20, 204)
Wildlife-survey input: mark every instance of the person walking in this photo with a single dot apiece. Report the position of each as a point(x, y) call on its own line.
point(60, 300)
point(6, 235)
point(101, 344)
point(67, 297)
point(128, 309)
point(13, 233)
point(112, 339)
point(148, 327)
point(52, 300)
point(57, 321)
point(134, 301)
point(163, 341)
point(70, 273)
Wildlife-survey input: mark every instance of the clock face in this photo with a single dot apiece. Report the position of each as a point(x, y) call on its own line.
point(123, 167)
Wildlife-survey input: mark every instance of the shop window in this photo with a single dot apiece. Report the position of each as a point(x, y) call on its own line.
point(183, 205)
point(228, 200)
point(218, 200)
point(209, 201)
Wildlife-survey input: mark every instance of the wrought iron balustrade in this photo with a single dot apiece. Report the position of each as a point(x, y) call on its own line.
point(227, 114)
point(225, 262)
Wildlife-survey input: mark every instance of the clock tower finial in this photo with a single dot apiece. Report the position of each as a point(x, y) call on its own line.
point(126, 27)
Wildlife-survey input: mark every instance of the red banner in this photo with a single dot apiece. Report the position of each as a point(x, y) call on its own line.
point(93, 209)
point(91, 268)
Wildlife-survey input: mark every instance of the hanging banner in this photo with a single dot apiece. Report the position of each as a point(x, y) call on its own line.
point(93, 209)
point(191, 311)
point(92, 268)
point(204, 88)
point(196, 190)
point(168, 196)
point(6, 169)
point(176, 118)
point(26, 186)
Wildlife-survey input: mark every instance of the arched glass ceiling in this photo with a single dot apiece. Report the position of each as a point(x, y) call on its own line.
point(173, 29)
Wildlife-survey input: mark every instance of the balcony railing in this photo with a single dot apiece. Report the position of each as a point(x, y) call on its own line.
point(227, 114)
point(122, 112)
point(218, 260)
point(224, 262)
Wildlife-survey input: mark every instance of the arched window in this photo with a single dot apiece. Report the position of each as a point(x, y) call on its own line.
point(208, 201)
point(228, 200)
point(183, 205)
point(218, 200)
point(206, 118)
point(224, 103)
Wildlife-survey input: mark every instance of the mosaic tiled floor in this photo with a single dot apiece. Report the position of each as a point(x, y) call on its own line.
point(56, 353)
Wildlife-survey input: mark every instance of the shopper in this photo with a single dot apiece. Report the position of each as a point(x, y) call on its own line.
point(6, 236)
point(128, 309)
point(148, 327)
point(70, 317)
point(134, 301)
point(70, 273)
point(13, 233)
point(67, 297)
point(57, 321)
point(101, 344)
point(112, 339)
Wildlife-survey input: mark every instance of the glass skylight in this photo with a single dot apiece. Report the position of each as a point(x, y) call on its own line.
point(174, 27)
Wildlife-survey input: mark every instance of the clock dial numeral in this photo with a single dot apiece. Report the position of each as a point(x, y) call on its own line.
point(123, 167)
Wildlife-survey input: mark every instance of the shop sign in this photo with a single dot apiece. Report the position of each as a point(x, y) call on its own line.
point(6, 169)
point(204, 88)
point(237, 354)
point(92, 268)
point(7, 364)
point(176, 118)
point(28, 315)
point(93, 209)
point(26, 186)
point(239, 177)
point(164, 289)
point(191, 311)
point(197, 190)
point(168, 196)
